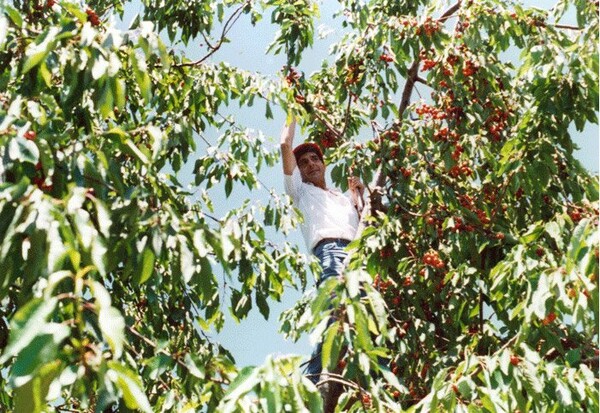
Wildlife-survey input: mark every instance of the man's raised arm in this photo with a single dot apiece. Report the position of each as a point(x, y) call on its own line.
point(287, 154)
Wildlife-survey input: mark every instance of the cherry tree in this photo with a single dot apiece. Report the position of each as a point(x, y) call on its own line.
point(473, 284)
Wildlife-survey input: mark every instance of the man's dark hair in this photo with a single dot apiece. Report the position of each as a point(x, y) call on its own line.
point(308, 147)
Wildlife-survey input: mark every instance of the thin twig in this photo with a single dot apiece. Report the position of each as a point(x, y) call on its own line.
point(564, 26)
point(338, 379)
point(451, 10)
point(226, 28)
point(327, 124)
point(347, 117)
point(414, 214)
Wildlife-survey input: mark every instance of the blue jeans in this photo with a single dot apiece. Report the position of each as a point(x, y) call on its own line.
point(331, 255)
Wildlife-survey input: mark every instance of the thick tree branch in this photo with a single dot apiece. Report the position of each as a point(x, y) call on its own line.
point(421, 80)
point(411, 78)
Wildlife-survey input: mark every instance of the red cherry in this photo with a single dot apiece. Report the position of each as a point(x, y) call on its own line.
point(92, 17)
point(575, 216)
point(386, 58)
point(549, 318)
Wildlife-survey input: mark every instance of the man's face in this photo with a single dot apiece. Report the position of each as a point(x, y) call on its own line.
point(312, 169)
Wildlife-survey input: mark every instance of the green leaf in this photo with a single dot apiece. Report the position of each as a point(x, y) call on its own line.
point(539, 297)
point(269, 111)
point(573, 357)
point(131, 386)
point(112, 325)
point(37, 51)
point(110, 320)
point(157, 137)
point(390, 378)
point(105, 101)
point(195, 368)
point(352, 284)
point(103, 218)
point(41, 350)
point(147, 266)
point(564, 394)
point(31, 397)
point(362, 327)
point(332, 346)
point(553, 229)
point(14, 15)
point(23, 150)
point(244, 382)
point(135, 151)
point(186, 257)
point(119, 93)
point(262, 304)
point(26, 324)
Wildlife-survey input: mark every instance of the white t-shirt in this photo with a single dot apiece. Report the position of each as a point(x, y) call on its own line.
point(327, 213)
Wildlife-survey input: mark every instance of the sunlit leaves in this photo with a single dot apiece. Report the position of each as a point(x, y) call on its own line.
point(270, 387)
point(295, 20)
point(27, 324)
point(477, 288)
point(131, 387)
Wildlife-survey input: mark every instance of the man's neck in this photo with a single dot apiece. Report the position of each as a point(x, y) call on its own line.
point(321, 185)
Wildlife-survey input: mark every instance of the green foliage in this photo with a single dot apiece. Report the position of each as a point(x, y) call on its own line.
point(476, 290)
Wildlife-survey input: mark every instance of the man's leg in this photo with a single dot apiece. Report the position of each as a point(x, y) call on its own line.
point(331, 256)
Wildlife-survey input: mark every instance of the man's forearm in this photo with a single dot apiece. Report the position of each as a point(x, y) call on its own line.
point(286, 141)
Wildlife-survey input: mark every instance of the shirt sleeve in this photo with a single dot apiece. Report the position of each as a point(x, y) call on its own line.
point(293, 183)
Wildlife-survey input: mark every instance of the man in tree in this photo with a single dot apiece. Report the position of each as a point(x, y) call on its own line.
point(330, 217)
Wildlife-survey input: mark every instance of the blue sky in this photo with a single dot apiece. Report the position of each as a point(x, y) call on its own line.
point(254, 338)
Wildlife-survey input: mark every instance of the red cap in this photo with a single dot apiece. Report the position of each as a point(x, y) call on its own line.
point(308, 147)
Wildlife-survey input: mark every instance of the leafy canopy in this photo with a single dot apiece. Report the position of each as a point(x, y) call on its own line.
point(478, 264)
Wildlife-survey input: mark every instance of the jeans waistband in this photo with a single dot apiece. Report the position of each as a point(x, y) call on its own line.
point(328, 240)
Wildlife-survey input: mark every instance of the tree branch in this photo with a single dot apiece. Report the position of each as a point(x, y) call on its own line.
point(448, 13)
point(421, 80)
point(328, 125)
point(408, 87)
point(226, 28)
point(347, 117)
point(337, 378)
point(564, 26)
